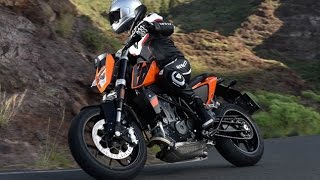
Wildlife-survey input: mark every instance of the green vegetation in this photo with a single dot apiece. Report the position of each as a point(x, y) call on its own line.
point(97, 41)
point(155, 149)
point(65, 24)
point(311, 95)
point(58, 158)
point(308, 70)
point(52, 154)
point(9, 106)
point(283, 115)
point(95, 11)
point(223, 16)
point(198, 67)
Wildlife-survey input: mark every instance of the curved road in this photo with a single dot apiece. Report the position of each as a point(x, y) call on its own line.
point(295, 158)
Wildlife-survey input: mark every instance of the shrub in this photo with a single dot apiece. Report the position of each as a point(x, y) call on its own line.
point(311, 95)
point(65, 25)
point(9, 106)
point(52, 154)
point(98, 41)
point(283, 115)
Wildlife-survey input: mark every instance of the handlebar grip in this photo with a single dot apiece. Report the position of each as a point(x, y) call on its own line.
point(135, 38)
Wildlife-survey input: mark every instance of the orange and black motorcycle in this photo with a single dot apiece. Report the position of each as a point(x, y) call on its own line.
point(110, 140)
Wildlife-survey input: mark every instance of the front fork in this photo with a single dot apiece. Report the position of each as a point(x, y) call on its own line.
point(121, 86)
point(120, 90)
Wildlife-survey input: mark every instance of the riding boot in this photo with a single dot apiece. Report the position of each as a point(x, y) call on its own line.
point(198, 106)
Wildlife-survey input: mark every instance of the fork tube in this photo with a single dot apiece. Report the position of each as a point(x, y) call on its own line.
point(120, 85)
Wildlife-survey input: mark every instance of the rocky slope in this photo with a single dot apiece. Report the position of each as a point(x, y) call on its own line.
point(55, 72)
point(286, 31)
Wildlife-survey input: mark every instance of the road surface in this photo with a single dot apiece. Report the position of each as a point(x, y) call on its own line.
point(295, 158)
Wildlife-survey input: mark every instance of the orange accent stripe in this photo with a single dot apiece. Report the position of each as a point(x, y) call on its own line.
point(212, 83)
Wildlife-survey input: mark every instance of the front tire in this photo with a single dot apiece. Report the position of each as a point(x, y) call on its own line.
point(94, 161)
point(231, 150)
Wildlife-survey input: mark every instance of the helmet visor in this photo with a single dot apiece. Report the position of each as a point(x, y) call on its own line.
point(114, 16)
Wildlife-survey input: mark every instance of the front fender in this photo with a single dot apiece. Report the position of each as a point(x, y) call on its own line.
point(108, 111)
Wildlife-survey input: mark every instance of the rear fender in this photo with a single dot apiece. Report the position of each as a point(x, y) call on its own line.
point(236, 97)
point(228, 94)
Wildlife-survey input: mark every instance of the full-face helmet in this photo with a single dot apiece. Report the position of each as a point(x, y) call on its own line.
point(123, 13)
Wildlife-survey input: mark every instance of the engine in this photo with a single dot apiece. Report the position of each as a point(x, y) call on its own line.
point(173, 126)
point(174, 133)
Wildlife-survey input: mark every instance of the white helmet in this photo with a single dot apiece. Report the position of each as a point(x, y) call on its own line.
point(123, 13)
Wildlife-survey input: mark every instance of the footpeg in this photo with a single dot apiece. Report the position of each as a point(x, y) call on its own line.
point(207, 123)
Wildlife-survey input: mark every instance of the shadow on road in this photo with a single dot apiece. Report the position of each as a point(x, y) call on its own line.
point(172, 169)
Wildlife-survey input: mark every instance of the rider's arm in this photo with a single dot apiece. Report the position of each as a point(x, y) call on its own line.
point(155, 24)
point(163, 28)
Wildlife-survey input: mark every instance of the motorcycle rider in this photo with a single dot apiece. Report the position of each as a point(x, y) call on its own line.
point(153, 42)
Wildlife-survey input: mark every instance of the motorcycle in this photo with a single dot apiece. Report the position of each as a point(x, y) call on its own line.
point(110, 140)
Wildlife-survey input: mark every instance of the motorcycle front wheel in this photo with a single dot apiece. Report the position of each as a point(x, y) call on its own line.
point(103, 158)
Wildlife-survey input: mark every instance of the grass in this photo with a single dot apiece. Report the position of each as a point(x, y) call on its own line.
point(311, 95)
point(95, 11)
point(223, 16)
point(9, 105)
point(308, 70)
point(98, 41)
point(155, 149)
point(65, 24)
point(52, 154)
point(197, 66)
point(283, 115)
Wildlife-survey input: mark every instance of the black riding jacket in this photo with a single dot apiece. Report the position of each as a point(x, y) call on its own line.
point(157, 44)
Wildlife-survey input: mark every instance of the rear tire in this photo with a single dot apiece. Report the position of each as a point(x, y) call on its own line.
point(90, 163)
point(230, 150)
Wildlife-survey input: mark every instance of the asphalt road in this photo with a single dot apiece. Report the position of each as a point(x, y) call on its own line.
point(295, 158)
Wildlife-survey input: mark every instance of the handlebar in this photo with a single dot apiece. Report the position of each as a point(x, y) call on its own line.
point(132, 39)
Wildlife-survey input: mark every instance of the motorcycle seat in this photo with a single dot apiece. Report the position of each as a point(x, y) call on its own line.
point(199, 78)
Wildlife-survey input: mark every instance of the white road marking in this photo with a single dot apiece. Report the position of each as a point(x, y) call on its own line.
point(40, 171)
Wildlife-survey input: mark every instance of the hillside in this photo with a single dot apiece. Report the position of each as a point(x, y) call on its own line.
point(289, 34)
point(54, 70)
point(47, 48)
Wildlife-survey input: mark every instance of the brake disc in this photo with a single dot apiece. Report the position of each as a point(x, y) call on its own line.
point(106, 150)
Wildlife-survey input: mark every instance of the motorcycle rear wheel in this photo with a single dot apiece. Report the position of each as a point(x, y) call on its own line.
point(240, 152)
point(91, 157)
